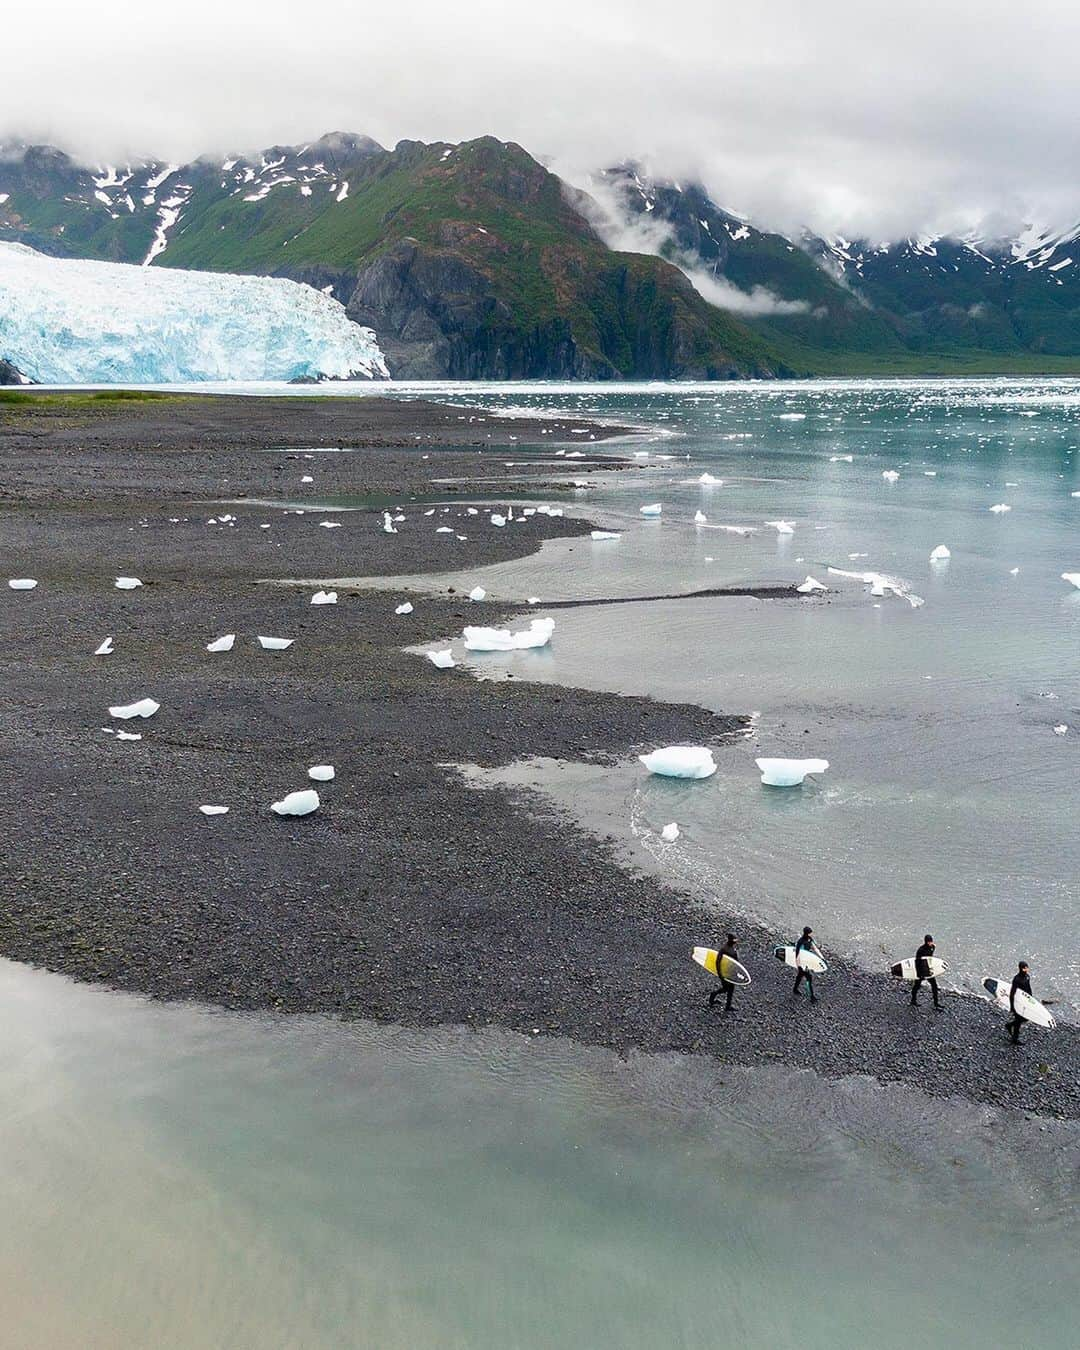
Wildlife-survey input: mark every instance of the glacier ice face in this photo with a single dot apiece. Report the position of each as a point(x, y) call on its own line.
point(788, 772)
point(680, 761)
point(73, 321)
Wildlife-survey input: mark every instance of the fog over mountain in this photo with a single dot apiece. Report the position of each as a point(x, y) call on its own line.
point(872, 120)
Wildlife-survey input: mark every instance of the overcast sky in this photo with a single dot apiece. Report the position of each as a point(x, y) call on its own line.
point(863, 116)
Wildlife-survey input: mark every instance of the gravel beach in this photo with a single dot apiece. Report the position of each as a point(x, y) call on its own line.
point(409, 896)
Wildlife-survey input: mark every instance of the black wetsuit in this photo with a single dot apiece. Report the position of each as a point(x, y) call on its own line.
point(726, 987)
point(922, 970)
point(805, 944)
point(1020, 981)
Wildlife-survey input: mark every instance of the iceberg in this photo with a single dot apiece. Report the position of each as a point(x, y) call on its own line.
point(443, 660)
point(680, 761)
point(22, 583)
point(297, 803)
point(222, 644)
point(324, 598)
point(654, 510)
point(271, 644)
point(841, 459)
point(880, 585)
point(940, 554)
point(670, 833)
point(75, 321)
point(809, 586)
point(707, 480)
point(321, 773)
point(538, 634)
point(145, 707)
point(788, 772)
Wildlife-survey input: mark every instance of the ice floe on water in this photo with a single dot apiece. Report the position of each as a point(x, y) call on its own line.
point(810, 585)
point(274, 644)
point(321, 773)
point(1073, 578)
point(788, 772)
point(145, 707)
point(653, 509)
point(324, 598)
point(680, 761)
point(1000, 508)
point(882, 585)
point(782, 526)
point(891, 476)
point(745, 531)
point(538, 634)
point(670, 833)
point(1061, 729)
point(940, 554)
point(300, 803)
point(106, 648)
point(22, 583)
point(605, 534)
point(443, 660)
point(222, 644)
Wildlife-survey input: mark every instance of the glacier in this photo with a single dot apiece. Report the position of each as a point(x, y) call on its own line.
point(73, 321)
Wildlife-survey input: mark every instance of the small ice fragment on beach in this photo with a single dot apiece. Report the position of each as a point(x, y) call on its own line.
point(214, 810)
point(477, 593)
point(307, 478)
point(700, 518)
point(106, 648)
point(670, 833)
point(707, 480)
point(442, 529)
point(430, 513)
point(324, 598)
point(940, 554)
point(297, 803)
point(321, 773)
point(388, 524)
point(222, 644)
point(129, 735)
point(126, 583)
point(272, 644)
point(498, 520)
point(329, 524)
point(605, 534)
point(680, 761)
point(788, 772)
point(538, 634)
point(406, 608)
point(1073, 578)
point(22, 583)
point(264, 526)
point(809, 586)
point(891, 476)
point(745, 531)
point(145, 707)
point(443, 660)
point(641, 454)
point(1000, 508)
point(1061, 729)
point(653, 510)
point(782, 526)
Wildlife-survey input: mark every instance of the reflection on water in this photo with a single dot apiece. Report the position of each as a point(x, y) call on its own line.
point(180, 1178)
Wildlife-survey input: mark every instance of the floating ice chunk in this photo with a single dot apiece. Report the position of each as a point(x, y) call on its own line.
point(533, 600)
point(1000, 508)
point(324, 598)
point(605, 534)
point(841, 459)
point(700, 518)
point(329, 524)
point(744, 530)
point(1074, 494)
point(792, 417)
point(272, 644)
point(670, 833)
point(498, 520)
point(1061, 729)
point(940, 554)
point(106, 648)
point(477, 593)
point(126, 583)
point(1073, 578)
point(145, 707)
point(881, 585)
point(809, 586)
point(891, 476)
point(1014, 571)
point(406, 608)
point(782, 526)
point(22, 583)
point(680, 761)
point(214, 810)
point(654, 510)
point(929, 473)
point(707, 480)
point(538, 634)
point(222, 644)
point(788, 772)
point(307, 478)
point(297, 803)
point(321, 773)
point(443, 660)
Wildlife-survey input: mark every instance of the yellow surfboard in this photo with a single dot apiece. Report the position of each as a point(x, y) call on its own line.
point(724, 967)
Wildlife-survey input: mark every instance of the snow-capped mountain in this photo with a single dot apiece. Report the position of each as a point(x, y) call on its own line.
point(73, 321)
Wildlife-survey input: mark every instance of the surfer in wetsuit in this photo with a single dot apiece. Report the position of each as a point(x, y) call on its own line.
point(726, 987)
point(1021, 981)
point(923, 972)
point(806, 944)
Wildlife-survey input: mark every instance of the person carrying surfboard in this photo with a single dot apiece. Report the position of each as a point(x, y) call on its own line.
point(1021, 981)
point(726, 987)
point(923, 972)
point(806, 944)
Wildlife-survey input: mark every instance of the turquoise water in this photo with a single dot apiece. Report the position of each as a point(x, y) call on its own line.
point(183, 1179)
point(950, 804)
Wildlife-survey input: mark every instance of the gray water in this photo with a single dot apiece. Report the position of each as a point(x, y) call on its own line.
point(950, 804)
point(182, 1178)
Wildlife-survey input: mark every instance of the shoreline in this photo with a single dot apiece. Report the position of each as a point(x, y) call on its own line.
point(410, 897)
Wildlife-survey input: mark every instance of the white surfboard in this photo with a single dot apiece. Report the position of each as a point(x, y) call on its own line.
point(905, 970)
point(723, 966)
point(1029, 1008)
point(811, 961)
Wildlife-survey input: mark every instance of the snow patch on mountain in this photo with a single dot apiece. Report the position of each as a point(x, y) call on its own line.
point(72, 321)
